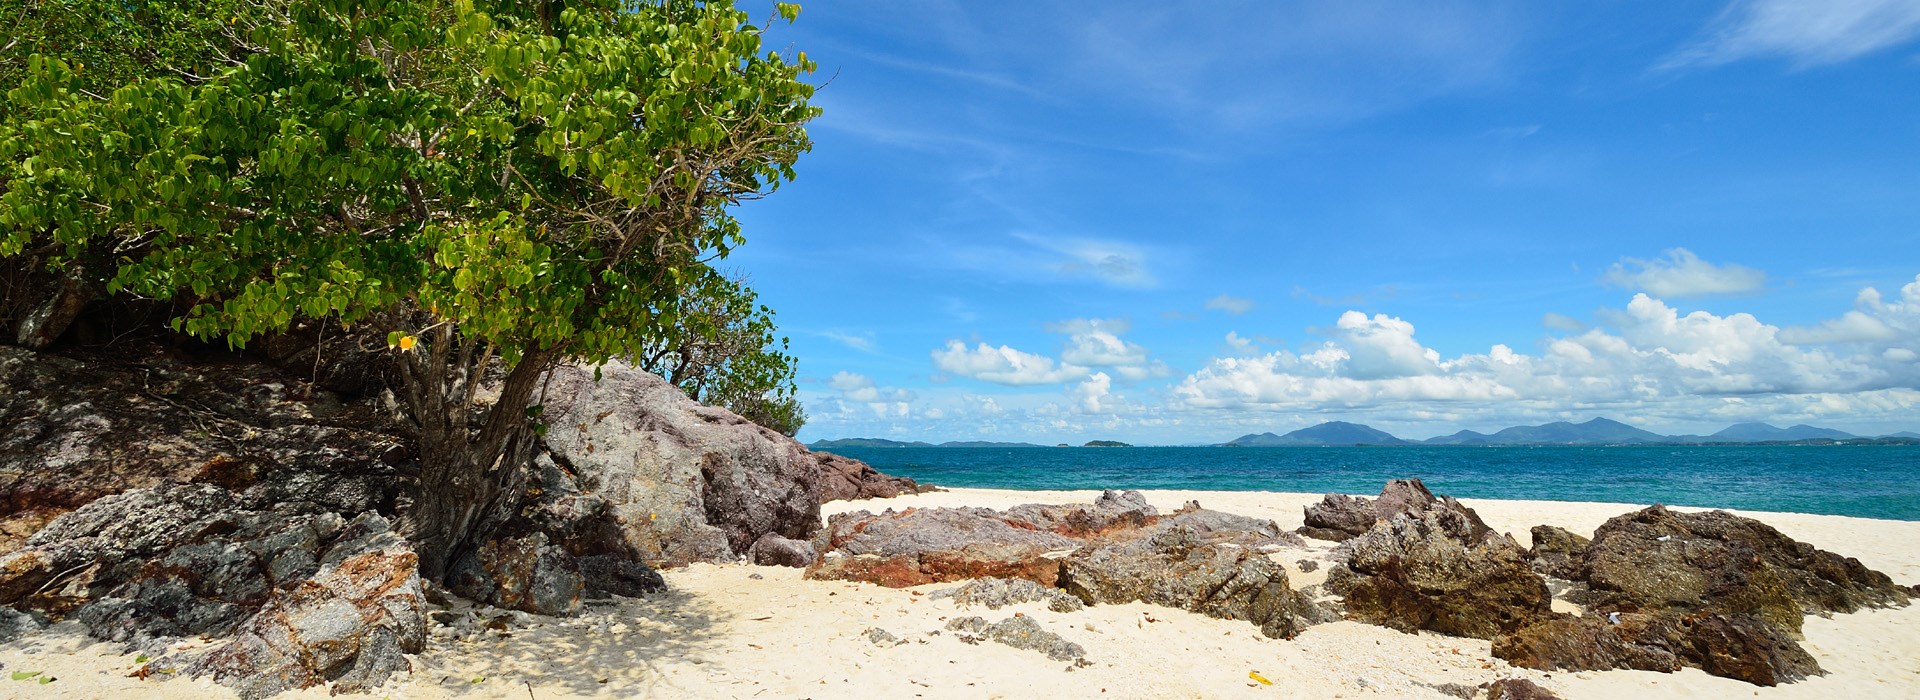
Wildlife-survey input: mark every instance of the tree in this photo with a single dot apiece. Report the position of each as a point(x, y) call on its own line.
point(526, 183)
point(724, 352)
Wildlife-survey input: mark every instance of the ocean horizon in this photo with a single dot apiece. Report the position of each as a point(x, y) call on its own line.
point(1868, 481)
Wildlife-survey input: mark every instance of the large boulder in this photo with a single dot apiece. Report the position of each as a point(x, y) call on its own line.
point(848, 479)
point(1438, 569)
point(1113, 510)
point(1656, 560)
point(523, 573)
point(932, 545)
point(1558, 552)
point(76, 428)
point(1339, 517)
point(658, 475)
point(348, 624)
point(1185, 565)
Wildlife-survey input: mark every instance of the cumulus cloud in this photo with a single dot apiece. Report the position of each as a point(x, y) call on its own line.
point(1095, 395)
point(1002, 365)
point(858, 387)
point(1808, 33)
point(1680, 273)
point(1230, 304)
point(1650, 353)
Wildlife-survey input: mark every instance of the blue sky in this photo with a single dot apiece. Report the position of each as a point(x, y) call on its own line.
point(1056, 222)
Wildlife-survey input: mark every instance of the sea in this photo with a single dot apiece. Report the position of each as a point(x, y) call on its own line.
point(1868, 481)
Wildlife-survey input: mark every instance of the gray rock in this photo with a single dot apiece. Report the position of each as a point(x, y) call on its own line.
point(1557, 552)
point(972, 624)
point(996, 593)
point(1022, 632)
point(522, 573)
point(1181, 566)
point(667, 479)
point(1113, 510)
point(607, 575)
point(774, 550)
point(1338, 517)
point(15, 624)
point(883, 638)
point(848, 479)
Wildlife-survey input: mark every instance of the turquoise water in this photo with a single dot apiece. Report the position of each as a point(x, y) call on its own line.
point(1871, 481)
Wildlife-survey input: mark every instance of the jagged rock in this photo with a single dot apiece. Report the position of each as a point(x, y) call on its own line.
point(1742, 647)
point(521, 573)
point(15, 624)
point(76, 428)
point(1518, 689)
point(1216, 527)
point(883, 638)
point(1177, 566)
point(666, 478)
point(1402, 496)
point(1338, 517)
point(1113, 510)
point(1022, 632)
point(1655, 559)
point(348, 624)
point(1439, 569)
point(774, 550)
point(933, 545)
point(996, 593)
point(1557, 552)
point(607, 575)
point(848, 479)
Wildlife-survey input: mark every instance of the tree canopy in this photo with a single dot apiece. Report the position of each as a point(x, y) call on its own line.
point(532, 181)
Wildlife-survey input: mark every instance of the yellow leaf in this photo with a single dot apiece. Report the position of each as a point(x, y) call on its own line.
point(1256, 676)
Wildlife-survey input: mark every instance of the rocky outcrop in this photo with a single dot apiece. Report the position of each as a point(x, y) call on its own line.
point(348, 624)
point(1113, 510)
point(73, 430)
point(1339, 517)
point(996, 593)
point(932, 545)
point(1018, 632)
point(1182, 565)
point(1742, 647)
point(1518, 689)
point(1656, 559)
point(848, 479)
point(1438, 569)
point(1557, 552)
point(651, 472)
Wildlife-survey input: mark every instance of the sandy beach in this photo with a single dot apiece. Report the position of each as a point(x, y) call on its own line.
point(742, 631)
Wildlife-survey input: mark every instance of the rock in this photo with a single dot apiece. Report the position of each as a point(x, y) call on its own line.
point(15, 624)
point(79, 426)
point(774, 550)
point(1216, 527)
point(349, 624)
point(607, 575)
point(971, 624)
point(664, 478)
point(1742, 647)
point(1022, 632)
point(1338, 517)
point(1458, 690)
point(996, 593)
point(1439, 569)
point(1176, 565)
point(934, 545)
point(883, 638)
point(1307, 566)
point(1558, 553)
point(521, 573)
point(1112, 511)
point(848, 479)
point(1518, 689)
point(1655, 559)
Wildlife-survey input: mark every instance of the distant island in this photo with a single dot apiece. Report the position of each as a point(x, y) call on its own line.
point(1597, 431)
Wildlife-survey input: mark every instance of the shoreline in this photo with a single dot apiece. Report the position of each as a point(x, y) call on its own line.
point(737, 630)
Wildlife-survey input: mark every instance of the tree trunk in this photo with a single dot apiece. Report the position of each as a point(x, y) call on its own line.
point(472, 476)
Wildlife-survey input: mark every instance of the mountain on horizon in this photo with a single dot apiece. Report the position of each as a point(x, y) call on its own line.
point(1597, 431)
point(1762, 432)
point(1908, 434)
point(1325, 434)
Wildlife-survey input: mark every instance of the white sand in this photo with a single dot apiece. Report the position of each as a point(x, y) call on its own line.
point(720, 633)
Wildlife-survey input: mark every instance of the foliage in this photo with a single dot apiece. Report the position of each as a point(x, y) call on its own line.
point(723, 352)
point(529, 181)
point(110, 43)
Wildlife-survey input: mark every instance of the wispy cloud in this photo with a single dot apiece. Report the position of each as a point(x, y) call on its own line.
point(1230, 304)
point(862, 342)
point(1808, 33)
point(1680, 273)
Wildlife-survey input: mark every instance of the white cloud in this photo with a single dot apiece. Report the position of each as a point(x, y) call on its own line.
point(1809, 33)
point(1240, 345)
point(1114, 262)
point(1095, 395)
point(1682, 274)
point(858, 387)
point(862, 342)
point(1002, 365)
point(1230, 304)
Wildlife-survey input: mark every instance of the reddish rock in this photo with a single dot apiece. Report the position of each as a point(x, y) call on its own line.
point(1439, 569)
point(933, 545)
point(848, 479)
point(1558, 553)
